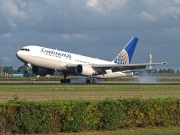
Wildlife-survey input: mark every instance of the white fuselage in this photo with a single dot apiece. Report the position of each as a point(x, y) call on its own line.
point(56, 59)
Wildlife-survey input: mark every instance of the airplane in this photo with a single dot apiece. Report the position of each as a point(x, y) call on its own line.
point(45, 61)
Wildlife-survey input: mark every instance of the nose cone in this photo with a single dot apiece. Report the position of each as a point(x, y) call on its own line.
point(18, 54)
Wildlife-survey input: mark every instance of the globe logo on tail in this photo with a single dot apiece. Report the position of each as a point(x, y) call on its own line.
point(122, 58)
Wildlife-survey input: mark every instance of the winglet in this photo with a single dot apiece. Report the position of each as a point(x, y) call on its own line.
point(164, 63)
point(125, 56)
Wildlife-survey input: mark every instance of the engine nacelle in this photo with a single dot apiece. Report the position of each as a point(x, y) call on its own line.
point(41, 71)
point(84, 70)
point(129, 74)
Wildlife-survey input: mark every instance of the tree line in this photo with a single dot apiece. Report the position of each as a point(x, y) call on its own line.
point(169, 70)
point(10, 70)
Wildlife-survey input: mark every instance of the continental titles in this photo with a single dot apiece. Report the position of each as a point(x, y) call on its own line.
point(55, 53)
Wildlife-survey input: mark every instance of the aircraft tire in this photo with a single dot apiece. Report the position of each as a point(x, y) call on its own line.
point(62, 80)
point(68, 80)
point(93, 80)
point(26, 71)
point(90, 80)
point(87, 81)
point(65, 80)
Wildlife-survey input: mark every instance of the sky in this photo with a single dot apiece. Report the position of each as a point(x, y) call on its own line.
point(95, 28)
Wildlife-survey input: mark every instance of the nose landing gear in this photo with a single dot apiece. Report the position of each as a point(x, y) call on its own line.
point(27, 66)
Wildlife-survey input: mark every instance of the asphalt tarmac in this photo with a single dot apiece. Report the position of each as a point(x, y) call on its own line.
point(85, 84)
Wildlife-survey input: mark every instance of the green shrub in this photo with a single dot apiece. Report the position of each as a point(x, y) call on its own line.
point(20, 117)
point(7, 118)
point(112, 115)
point(31, 118)
point(152, 112)
point(74, 118)
point(93, 116)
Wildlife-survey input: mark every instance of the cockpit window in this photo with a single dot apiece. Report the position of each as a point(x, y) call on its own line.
point(24, 49)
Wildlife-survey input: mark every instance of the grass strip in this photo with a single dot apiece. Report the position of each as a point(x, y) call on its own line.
point(157, 131)
point(78, 88)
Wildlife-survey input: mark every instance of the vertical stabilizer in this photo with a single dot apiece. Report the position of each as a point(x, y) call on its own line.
point(125, 56)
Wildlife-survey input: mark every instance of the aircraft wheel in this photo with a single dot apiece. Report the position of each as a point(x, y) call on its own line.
point(26, 71)
point(68, 80)
point(87, 81)
point(65, 80)
point(91, 81)
point(94, 81)
point(62, 80)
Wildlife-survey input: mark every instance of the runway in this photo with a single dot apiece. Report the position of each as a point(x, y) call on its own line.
point(85, 84)
point(47, 90)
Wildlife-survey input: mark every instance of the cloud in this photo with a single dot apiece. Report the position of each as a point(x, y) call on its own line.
point(9, 8)
point(176, 1)
point(88, 26)
point(6, 60)
point(172, 11)
point(69, 37)
point(11, 22)
point(7, 35)
point(66, 37)
point(103, 6)
point(164, 9)
point(147, 17)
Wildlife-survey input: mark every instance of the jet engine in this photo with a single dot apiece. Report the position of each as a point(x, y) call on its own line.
point(130, 74)
point(41, 71)
point(84, 70)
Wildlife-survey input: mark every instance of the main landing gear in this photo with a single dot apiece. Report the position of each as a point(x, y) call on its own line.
point(65, 80)
point(91, 80)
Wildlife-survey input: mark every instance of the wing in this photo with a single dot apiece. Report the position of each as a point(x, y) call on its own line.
point(101, 68)
point(124, 67)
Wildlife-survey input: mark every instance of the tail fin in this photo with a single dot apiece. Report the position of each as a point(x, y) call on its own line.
point(125, 56)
